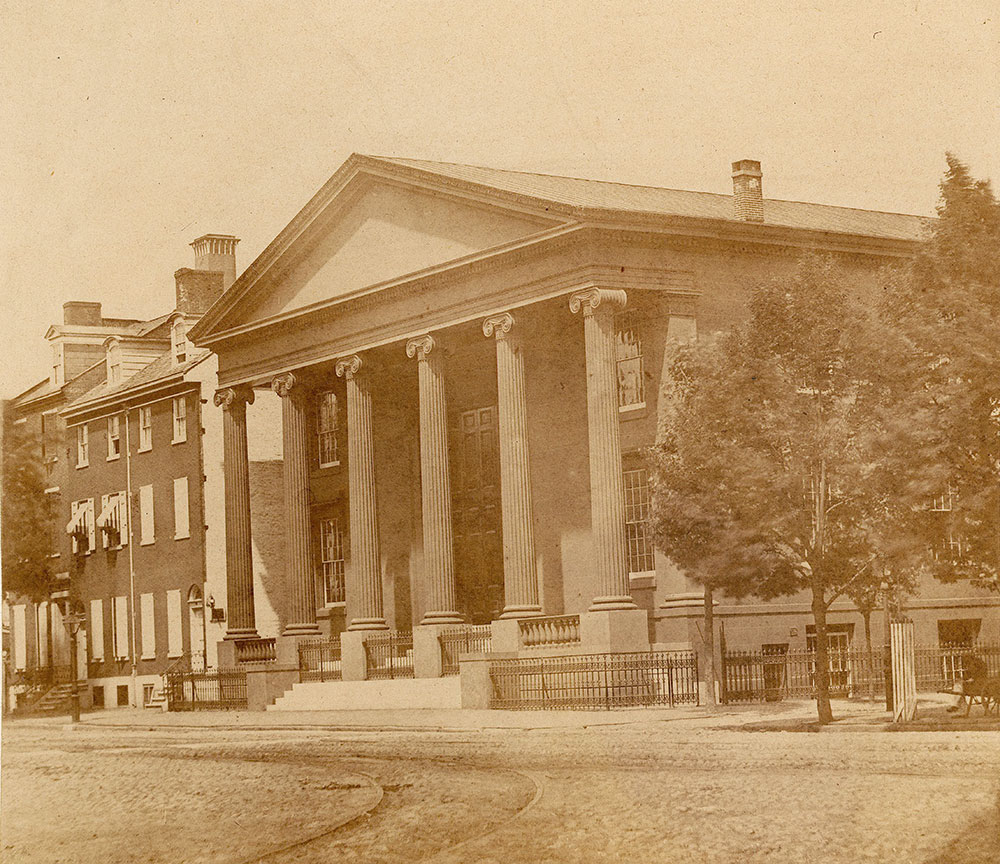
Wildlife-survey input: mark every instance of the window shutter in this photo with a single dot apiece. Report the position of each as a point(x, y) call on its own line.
point(20, 637)
point(123, 518)
point(175, 644)
point(42, 619)
point(91, 525)
point(148, 626)
point(73, 508)
point(97, 629)
point(182, 526)
point(121, 627)
point(104, 534)
point(146, 514)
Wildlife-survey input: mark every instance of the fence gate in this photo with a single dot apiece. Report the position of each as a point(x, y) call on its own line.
point(904, 678)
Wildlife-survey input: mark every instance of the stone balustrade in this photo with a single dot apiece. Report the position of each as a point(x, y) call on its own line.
point(261, 650)
point(550, 630)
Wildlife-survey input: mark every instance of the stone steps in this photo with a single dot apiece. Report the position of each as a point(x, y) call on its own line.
point(400, 693)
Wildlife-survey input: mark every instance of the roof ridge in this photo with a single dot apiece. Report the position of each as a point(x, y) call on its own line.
point(403, 159)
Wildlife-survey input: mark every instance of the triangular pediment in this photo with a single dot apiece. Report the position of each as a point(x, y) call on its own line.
point(380, 231)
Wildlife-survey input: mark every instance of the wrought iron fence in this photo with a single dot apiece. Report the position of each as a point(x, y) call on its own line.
point(769, 676)
point(474, 638)
point(601, 681)
point(320, 661)
point(212, 690)
point(389, 654)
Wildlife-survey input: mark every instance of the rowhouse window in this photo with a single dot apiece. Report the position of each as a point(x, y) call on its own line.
point(114, 437)
point(331, 545)
point(182, 518)
point(326, 430)
point(97, 629)
point(82, 446)
point(119, 629)
point(146, 428)
point(82, 526)
point(179, 341)
point(180, 419)
point(631, 392)
point(148, 626)
point(146, 523)
point(638, 533)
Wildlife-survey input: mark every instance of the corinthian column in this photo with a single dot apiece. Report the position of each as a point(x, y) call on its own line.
point(520, 581)
point(295, 465)
point(366, 569)
point(435, 483)
point(607, 491)
point(236, 475)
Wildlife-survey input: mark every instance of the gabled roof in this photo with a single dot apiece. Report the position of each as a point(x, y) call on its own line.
point(578, 193)
point(161, 370)
point(570, 201)
point(111, 327)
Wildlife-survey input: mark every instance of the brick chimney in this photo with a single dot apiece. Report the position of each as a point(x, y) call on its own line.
point(197, 289)
point(217, 252)
point(82, 313)
point(748, 197)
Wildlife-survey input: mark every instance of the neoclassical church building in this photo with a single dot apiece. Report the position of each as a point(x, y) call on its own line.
point(468, 362)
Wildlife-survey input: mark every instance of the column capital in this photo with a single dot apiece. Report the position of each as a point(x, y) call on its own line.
point(589, 299)
point(284, 384)
point(420, 346)
point(227, 397)
point(498, 325)
point(348, 367)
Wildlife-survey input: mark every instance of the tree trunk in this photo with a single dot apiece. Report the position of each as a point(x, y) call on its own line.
point(867, 615)
point(822, 676)
point(708, 643)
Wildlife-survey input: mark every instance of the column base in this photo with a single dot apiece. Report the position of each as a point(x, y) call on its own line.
point(615, 632)
point(309, 629)
point(532, 611)
point(368, 624)
point(353, 659)
point(611, 604)
point(241, 633)
point(448, 617)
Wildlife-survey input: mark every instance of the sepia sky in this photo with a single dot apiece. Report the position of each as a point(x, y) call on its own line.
point(129, 129)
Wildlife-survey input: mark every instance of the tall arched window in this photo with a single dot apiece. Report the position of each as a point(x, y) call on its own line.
point(326, 430)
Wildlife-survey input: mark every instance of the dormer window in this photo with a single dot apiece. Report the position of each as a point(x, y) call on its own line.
point(114, 363)
point(58, 373)
point(178, 338)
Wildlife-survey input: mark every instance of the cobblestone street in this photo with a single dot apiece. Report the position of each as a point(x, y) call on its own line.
point(688, 790)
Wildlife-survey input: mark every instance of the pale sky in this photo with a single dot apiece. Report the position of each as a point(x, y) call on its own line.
point(131, 128)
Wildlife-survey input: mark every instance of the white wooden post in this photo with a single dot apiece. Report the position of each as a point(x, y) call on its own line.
point(904, 678)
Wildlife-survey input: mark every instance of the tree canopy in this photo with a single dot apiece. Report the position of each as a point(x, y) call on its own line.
point(27, 530)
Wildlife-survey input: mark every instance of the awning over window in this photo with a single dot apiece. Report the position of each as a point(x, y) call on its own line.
point(108, 518)
point(78, 522)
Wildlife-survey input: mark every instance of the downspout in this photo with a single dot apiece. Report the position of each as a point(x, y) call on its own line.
point(131, 558)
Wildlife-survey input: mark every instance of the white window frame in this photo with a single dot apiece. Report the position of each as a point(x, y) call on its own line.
point(640, 557)
point(147, 520)
point(179, 409)
point(182, 509)
point(97, 629)
point(145, 428)
point(82, 446)
point(327, 423)
point(629, 356)
point(331, 561)
point(147, 624)
point(114, 437)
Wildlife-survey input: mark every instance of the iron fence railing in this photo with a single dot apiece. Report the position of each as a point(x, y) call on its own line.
point(320, 661)
point(212, 690)
point(389, 654)
point(470, 639)
point(768, 676)
point(596, 681)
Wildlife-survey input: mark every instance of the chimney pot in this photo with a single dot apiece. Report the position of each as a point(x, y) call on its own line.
point(748, 196)
point(217, 252)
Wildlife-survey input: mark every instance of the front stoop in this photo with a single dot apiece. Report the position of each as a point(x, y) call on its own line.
point(399, 693)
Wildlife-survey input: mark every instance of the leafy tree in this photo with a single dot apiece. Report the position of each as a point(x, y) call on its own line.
point(947, 426)
point(767, 471)
point(27, 529)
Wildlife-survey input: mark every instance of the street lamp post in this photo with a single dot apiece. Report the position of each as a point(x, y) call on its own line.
point(72, 621)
